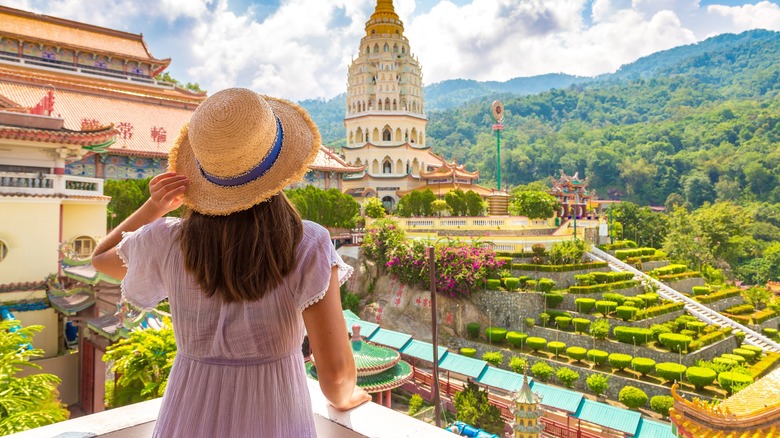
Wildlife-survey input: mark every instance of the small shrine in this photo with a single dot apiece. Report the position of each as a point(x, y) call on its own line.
point(572, 194)
point(447, 177)
point(379, 369)
point(526, 412)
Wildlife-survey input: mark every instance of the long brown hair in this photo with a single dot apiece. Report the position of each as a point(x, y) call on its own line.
point(241, 256)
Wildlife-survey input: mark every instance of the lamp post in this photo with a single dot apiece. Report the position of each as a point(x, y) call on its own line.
point(634, 339)
point(498, 114)
point(490, 324)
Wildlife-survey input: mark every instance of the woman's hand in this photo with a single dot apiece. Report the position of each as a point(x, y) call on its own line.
point(358, 397)
point(166, 190)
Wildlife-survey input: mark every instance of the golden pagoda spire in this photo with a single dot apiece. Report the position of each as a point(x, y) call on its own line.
point(384, 20)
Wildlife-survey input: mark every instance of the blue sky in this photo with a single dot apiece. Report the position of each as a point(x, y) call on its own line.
point(300, 49)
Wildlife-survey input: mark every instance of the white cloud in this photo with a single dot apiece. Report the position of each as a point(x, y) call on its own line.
point(302, 49)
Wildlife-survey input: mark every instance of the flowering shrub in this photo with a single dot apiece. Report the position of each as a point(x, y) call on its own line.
point(460, 269)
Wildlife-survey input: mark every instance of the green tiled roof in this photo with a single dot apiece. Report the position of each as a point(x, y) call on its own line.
point(389, 379)
point(502, 379)
point(87, 274)
point(557, 398)
point(389, 338)
point(422, 350)
point(609, 416)
point(72, 303)
point(653, 429)
point(369, 356)
point(462, 365)
point(366, 328)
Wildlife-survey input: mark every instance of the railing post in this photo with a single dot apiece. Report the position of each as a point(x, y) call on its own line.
point(435, 329)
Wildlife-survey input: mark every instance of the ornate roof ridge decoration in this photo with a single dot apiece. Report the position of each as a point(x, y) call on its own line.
point(77, 31)
point(392, 146)
point(130, 91)
point(322, 163)
point(450, 169)
point(57, 195)
point(101, 137)
point(566, 180)
point(23, 286)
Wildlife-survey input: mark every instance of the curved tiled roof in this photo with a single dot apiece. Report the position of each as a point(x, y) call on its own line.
point(371, 359)
point(327, 161)
point(73, 34)
point(391, 378)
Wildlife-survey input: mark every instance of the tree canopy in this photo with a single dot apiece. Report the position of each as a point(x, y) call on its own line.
point(329, 208)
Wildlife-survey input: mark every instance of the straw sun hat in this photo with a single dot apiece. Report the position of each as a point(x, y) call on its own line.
point(241, 148)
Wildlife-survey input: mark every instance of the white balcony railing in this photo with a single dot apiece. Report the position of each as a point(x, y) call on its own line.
point(48, 184)
point(137, 421)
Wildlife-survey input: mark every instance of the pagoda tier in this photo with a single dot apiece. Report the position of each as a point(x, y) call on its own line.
point(572, 194)
point(451, 172)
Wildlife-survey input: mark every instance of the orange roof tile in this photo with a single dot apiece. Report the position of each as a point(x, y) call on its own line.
point(762, 394)
point(58, 195)
point(133, 118)
point(73, 34)
point(448, 170)
point(327, 161)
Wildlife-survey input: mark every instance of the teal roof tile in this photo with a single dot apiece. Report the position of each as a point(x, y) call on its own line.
point(389, 338)
point(348, 314)
point(462, 365)
point(557, 398)
point(366, 328)
point(502, 379)
point(653, 429)
point(609, 416)
point(422, 350)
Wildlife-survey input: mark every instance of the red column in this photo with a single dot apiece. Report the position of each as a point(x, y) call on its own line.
point(388, 400)
point(379, 398)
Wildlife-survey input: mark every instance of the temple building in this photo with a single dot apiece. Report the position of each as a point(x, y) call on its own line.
point(385, 118)
point(572, 194)
point(526, 412)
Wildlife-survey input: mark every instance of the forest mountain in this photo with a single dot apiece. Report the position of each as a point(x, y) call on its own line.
point(702, 121)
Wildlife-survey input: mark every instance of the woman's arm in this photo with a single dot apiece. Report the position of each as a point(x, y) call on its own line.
point(165, 196)
point(330, 344)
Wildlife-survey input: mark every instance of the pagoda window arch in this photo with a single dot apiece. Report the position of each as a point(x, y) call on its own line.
point(370, 104)
point(387, 103)
point(367, 135)
point(414, 135)
point(3, 250)
point(395, 48)
point(368, 50)
point(386, 48)
point(403, 50)
point(395, 104)
point(359, 134)
point(406, 136)
point(399, 166)
point(380, 104)
point(408, 167)
point(415, 167)
point(375, 167)
point(376, 48)
point(375, 135)
point(387, 133)
point(358, 162)
point(398, 135)
point(351, 137)
point(387, 166)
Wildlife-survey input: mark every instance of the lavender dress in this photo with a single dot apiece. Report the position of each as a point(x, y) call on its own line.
point(239, 369)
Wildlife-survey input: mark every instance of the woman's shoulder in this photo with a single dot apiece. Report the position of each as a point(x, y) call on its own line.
point(314, 231)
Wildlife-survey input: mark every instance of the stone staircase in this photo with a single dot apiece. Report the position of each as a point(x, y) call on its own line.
point(693, 307)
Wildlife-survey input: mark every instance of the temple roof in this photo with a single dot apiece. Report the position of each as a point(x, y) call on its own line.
point(328, 161)
point(136, 113)
point(75, 35)
point(760, 395)
point(566, 180)
point(72, 302)
point(449, 170)
point(525, 395)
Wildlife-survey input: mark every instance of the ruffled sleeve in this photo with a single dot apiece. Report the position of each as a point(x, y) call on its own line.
point(316, 257)
point(143, 252)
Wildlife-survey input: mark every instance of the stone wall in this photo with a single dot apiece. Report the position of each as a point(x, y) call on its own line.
point(616, 382)
point(509, 309)
point(649, 266)
point(770, 323)
point(645, 323)
point(568, 299)
point(586, 341)
point(686, 284)
point(725, 303)
point(562, 279)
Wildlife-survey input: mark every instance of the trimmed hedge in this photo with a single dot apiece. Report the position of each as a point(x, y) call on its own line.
point(468, 352)
point(546, 285)
point(725, 361)
point(770, 332)
point(596, 288)
point(610, 296)
point(696, 326)
point(715, 296)
point(658, 310)
point(643, 365)
point(516, 339)
point(763, 315)
point(730, 381)
point(584, 305)
point(675, 342)
point(563, 322)
point(700, 377)
point(626, 312)
point(511, 283)
point(553, 299)
point(580, 324)
point(598, 357)
point(619, 361)
point(567, 376)
point(670, 371)
point(542, 371)
point(606, 307)
point(701, 290)
point(710, 338)
point(618, 244)
point(495, 334)
point(556, 347)
point(536, 343)
point(662, 404)
point(624, 254)
point(576, 353)
point(472, 329)
point(735, 357)
point(493, 284)
point(629, 335)
point(649, 298)
point(747, 354)
point(669, 270)
point(740, 309)
point(758, 350)
point(494, 358)
point(632, 397)
point(558, 268)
